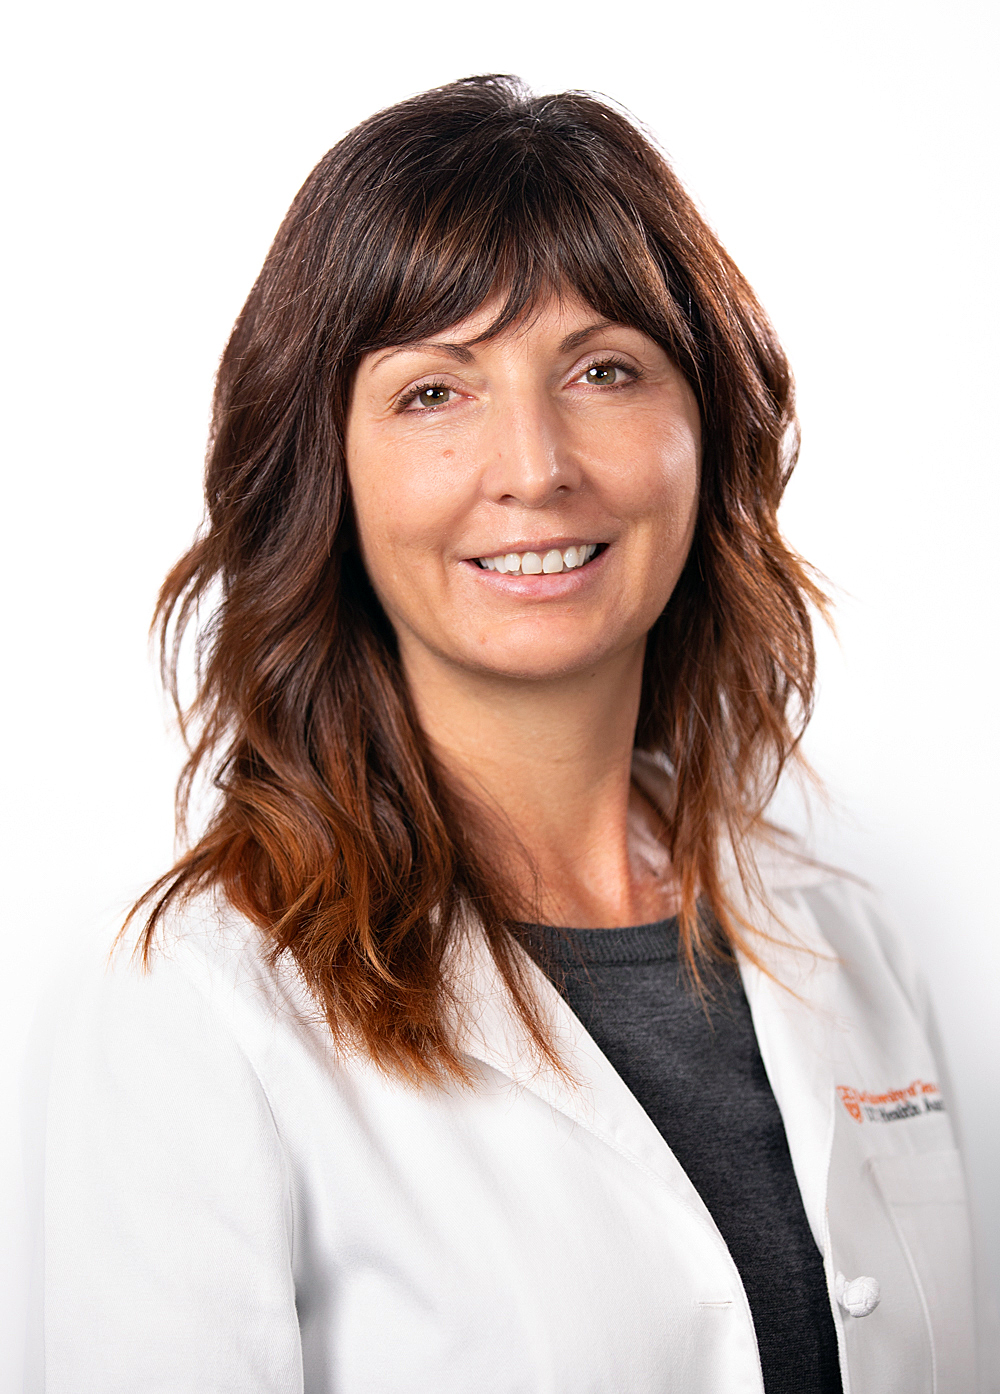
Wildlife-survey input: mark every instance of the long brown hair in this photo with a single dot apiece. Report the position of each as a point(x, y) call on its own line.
point(334, 830)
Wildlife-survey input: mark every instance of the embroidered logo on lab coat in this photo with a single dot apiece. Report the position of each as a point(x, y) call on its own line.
point(912, 1101)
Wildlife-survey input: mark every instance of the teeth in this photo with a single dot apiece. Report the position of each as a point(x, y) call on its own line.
point(531, 564)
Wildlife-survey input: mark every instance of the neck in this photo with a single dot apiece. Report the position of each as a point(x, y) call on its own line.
point(549, 765)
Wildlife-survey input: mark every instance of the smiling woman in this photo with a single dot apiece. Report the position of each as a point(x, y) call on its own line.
point(487, 1037)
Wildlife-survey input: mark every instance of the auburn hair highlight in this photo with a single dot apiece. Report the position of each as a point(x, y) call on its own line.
point(334, 829)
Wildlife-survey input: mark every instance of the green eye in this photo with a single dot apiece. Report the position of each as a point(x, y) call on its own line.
point(603, 374)
point(433, 396)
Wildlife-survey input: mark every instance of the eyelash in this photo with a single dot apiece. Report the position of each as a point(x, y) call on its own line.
point(604, 361)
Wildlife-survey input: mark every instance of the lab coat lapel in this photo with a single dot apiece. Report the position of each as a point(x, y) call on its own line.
point(792, 1010)
point(597, 1098)
point(794, 1020)
point(795, 1024)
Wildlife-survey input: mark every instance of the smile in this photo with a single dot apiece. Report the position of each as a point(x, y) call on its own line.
point(548, 563)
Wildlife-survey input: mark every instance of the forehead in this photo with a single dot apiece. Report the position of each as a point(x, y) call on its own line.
point(564, 321)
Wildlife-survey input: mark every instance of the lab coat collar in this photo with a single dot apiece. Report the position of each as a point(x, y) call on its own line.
point(593, 1094)
point(791, 1006)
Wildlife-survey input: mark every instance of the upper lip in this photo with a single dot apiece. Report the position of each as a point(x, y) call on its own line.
point(557, 544)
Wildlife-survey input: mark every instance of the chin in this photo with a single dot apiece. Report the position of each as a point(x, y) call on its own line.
point(540, 662)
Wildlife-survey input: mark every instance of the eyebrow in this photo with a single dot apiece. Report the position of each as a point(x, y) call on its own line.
point(456, 351)
point(463, 354)
point(580, 336)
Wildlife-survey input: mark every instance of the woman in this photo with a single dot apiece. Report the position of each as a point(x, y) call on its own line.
point(485, 1039)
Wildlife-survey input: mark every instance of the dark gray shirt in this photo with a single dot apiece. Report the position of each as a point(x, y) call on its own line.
point(702, 1081)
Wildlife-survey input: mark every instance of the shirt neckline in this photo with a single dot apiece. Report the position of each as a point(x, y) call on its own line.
point(656, 942)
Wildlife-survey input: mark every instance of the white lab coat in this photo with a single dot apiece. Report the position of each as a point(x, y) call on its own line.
point(231, 1209)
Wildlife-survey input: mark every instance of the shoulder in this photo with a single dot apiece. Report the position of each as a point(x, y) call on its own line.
point(219, 951)
point(190, 1047)
point(847, 916)
point(206, 977)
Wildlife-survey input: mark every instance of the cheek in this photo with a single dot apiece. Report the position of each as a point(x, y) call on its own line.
point(406, 503)
point(682, 497)
point(659, 487)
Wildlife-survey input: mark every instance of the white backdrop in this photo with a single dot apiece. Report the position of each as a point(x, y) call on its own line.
point(845, 153)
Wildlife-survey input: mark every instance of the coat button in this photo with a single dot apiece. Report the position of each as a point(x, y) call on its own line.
point(859, 1297)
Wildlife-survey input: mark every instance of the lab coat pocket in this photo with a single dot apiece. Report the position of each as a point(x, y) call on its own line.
point(924, 1193)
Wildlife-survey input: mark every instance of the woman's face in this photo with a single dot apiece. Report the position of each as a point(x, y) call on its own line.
point(524, 505)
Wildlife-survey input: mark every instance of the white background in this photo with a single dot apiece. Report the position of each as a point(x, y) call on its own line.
point(846, 154)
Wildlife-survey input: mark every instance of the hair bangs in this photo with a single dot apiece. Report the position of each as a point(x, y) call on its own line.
point(511, 233)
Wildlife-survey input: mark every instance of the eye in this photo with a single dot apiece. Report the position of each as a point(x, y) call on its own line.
point(433, 395)
point(425, 396)
point(608, 373)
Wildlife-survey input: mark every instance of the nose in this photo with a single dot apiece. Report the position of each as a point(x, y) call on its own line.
point(529, 458)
